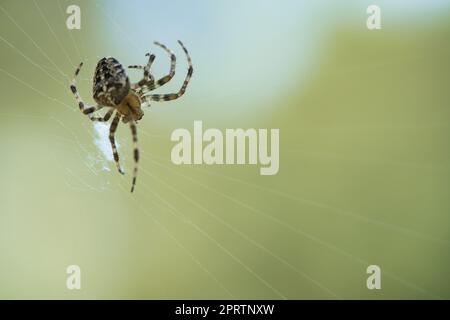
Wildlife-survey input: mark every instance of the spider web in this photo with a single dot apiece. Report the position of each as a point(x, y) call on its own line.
point(96, 160)
point(96, 157)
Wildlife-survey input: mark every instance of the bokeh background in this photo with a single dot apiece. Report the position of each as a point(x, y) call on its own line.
point(364, 154)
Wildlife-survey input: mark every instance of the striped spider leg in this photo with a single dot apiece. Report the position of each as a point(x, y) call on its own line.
point(89, 110)
point(148, 79)
point(171, 96)
point(135, 153)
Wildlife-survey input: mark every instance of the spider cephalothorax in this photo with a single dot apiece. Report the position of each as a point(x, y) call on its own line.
point(112, 89)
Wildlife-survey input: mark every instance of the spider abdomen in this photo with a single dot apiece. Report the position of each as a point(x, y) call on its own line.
point(111, 84)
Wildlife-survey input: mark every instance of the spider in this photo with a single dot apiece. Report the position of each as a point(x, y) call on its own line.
point(112, 89)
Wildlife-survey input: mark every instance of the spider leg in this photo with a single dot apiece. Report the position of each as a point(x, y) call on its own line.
point(84, 108)
point(148, 79)
point(147, 76)
point(173, 96)
point(135, 153)
point(171, 74)
point(105, 118)
point(149, 63)
point(112, 131)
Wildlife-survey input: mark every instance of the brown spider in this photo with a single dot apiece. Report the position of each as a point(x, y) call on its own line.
point(112, 88)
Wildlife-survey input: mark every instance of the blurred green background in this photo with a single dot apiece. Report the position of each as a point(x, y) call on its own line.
point(364, 155)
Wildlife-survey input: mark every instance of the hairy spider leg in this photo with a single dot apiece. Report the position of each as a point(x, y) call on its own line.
point(145, 87)
point(173, 96)
point(148, 79)
point(105, 118)
point(135, 152)
point(112, 131)
point(173, 61)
